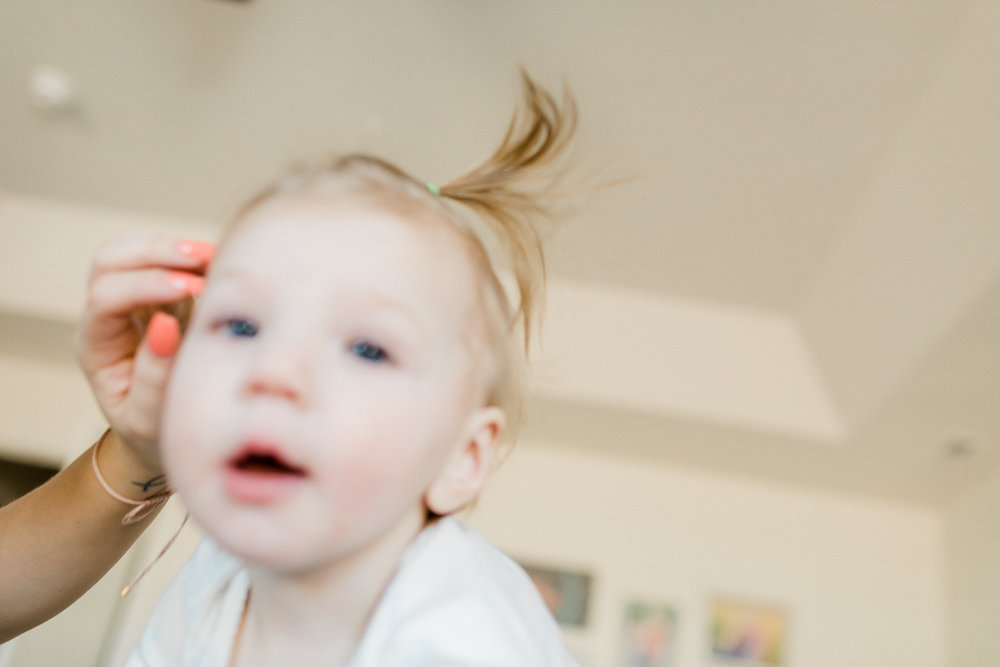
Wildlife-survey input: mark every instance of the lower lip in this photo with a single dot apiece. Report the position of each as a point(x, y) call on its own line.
point(260, 488)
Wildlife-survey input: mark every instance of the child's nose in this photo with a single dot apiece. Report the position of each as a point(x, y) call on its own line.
point(280, 372)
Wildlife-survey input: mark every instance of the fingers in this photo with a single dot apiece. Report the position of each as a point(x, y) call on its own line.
point(119, 292)
point(143, 270)
point(107, 331)
point(148, 251)
point(128, 274)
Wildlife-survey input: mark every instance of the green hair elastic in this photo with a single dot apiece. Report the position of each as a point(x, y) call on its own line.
point(433, 189)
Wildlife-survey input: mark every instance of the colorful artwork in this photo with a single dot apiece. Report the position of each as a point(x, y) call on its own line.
point(747, 634)
point(650, 635)
point(566, 594)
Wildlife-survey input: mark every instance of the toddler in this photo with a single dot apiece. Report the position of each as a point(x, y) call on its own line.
point(339, 394)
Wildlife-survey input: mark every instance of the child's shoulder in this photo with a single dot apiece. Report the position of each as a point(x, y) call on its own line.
point(468, 562)
point(456, 599)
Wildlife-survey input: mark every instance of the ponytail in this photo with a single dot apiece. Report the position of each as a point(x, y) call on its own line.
point(513, 189)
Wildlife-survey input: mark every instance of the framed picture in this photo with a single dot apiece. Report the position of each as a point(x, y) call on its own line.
point(649, 635)
point(747, 634)
point(566, 593)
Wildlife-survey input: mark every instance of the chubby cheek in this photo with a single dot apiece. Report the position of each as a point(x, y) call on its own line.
point(185, 430)
point(385, 475)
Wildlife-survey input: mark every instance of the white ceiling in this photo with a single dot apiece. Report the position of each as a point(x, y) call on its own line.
point(830, 165)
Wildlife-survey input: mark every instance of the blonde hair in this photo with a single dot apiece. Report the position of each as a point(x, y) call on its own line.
point(512, 192)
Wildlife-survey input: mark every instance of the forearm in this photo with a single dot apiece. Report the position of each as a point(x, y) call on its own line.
point(59, 540)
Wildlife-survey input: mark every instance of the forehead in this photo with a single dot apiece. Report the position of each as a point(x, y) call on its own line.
point(350, 244)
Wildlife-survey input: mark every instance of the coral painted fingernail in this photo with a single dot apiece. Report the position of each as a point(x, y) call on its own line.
point(199, 250)
point(163, 334)
point(186, 282)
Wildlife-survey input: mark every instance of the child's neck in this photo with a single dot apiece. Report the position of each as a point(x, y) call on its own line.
point(320, 616)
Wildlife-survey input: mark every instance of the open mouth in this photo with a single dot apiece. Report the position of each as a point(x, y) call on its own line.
point(258, 463)
point(260, 475)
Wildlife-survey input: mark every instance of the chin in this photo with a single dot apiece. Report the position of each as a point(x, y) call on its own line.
point(267, 554)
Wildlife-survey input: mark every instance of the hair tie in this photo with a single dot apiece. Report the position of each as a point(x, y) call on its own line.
point(433, 189)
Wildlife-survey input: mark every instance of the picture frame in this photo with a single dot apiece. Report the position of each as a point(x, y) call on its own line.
point(565, 592)
point(649, 634)
point(748, 634)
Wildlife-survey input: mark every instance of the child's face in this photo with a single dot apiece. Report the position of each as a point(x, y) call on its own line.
point(330, 370)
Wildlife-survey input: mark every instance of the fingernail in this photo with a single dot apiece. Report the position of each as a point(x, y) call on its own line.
point(199, 250)
point(163, 334)
point(186, 282)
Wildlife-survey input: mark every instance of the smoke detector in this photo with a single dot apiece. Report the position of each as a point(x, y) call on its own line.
point(52, 90)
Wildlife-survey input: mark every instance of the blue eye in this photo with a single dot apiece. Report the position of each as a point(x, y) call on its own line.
point(368, 351)
point(241, 328)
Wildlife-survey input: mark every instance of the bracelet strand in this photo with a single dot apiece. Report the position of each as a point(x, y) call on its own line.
point(140, 508)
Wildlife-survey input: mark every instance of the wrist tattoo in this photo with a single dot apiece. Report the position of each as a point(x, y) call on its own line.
point(152, 482)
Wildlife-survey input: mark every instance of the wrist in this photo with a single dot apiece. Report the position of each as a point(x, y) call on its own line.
point(127, 472)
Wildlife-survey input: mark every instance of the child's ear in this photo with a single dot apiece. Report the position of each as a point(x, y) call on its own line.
point(465, 472)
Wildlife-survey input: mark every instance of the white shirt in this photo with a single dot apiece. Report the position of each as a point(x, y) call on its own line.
point(455, 601)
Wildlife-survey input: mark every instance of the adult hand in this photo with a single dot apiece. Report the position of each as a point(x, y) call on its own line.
point(138, 296)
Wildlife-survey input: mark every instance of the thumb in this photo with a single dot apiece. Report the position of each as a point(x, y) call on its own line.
point(163, 335)
point(153, 362)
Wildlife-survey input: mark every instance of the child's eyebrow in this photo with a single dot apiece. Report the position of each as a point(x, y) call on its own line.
point(229, 281)
point(385, 305)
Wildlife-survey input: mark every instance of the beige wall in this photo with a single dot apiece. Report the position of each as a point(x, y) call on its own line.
point(973, 571)
point(862, 581)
